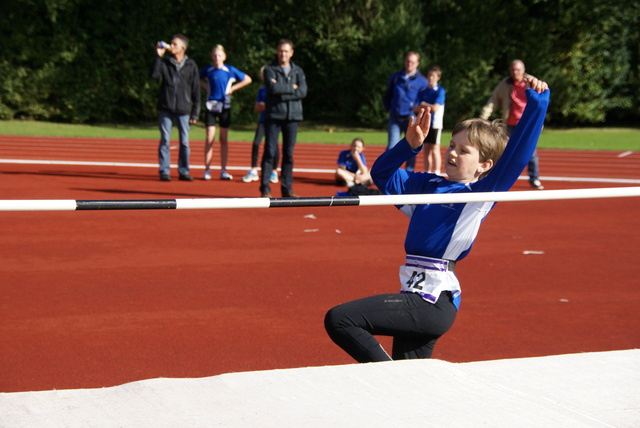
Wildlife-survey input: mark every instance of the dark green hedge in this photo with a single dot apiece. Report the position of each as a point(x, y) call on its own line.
point(85, 61)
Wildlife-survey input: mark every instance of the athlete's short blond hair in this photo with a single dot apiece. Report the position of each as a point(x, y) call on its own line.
point(489, 137)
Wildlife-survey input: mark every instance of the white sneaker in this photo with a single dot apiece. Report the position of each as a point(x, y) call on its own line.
point(536, 184)
point(274, 177)
point(224, 175)
point(207, 175)
point(251, 176)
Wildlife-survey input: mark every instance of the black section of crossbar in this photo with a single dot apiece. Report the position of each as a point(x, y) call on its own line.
point(331, 201)
point(141, 204)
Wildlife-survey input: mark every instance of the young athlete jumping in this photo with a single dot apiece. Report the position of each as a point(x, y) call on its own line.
point(438, 235)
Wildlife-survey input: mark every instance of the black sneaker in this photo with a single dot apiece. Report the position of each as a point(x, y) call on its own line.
point(165, 177)
point(185, 177)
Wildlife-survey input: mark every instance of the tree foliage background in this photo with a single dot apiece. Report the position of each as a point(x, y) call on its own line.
point(87, 62)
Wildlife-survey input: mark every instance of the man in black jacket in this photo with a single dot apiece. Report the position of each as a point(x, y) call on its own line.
point(286, 87)
point(179, 100)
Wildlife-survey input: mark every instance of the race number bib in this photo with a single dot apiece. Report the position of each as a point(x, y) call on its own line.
point(427, 283)
point(215, 106)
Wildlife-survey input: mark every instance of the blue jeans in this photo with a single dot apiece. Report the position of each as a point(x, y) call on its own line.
point(165, 122)
point(289, 134)
point(396, 127)
point(532, 166)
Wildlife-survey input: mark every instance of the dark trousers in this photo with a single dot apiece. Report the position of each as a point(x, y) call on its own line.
point(257, 139)
point(289, 131)
point(414, 324)
point(255, 149)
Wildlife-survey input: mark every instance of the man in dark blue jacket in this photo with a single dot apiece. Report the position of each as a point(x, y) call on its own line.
point(400, 98)
point(178, 99)
point(286, 87)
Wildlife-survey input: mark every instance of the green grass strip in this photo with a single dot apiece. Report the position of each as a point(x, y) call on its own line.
point(616, 139)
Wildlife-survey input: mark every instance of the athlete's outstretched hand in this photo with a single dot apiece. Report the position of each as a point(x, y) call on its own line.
point(537, 85)
point(419, 128)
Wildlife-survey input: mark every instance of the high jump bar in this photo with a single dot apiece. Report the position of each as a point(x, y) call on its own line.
point(331, 201)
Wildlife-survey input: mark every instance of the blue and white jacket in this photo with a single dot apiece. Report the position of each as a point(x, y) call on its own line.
point(448, 231)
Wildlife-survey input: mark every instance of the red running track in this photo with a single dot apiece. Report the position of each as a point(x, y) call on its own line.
point(94, 299)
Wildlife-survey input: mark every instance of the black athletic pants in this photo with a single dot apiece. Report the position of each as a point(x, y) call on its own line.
point(414, 324)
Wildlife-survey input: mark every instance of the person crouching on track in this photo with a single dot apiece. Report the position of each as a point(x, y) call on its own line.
point(439, 235)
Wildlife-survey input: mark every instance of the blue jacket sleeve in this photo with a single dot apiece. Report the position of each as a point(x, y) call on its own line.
point(521, 145)
point(386, 172)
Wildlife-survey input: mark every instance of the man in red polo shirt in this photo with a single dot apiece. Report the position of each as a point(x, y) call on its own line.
point(509, 96)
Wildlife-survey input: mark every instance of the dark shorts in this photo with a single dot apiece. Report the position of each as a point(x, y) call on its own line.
point(224, 117)
point(433, 137)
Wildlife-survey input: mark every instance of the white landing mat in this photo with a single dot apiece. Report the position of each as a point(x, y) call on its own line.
point(579, 390)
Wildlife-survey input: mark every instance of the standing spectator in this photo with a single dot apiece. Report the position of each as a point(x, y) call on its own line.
point(400, 98)
point(260, 106)
point(223, 80)
point(433, 97)
point(509, 96)
point(286, 87)
point(178, 99)
point(352, 165)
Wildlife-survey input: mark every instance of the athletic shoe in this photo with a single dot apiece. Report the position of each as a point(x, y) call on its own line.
point(251, 176)
point(185, 177)
point(207, 175)
point(274, 177)
point(224, 175)
point(165, 177)
point(537, 185)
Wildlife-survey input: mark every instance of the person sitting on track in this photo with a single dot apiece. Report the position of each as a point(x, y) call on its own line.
point(439, 235)
point(352, 166)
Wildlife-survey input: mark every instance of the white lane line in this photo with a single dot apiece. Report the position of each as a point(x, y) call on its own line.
point(308, 170)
